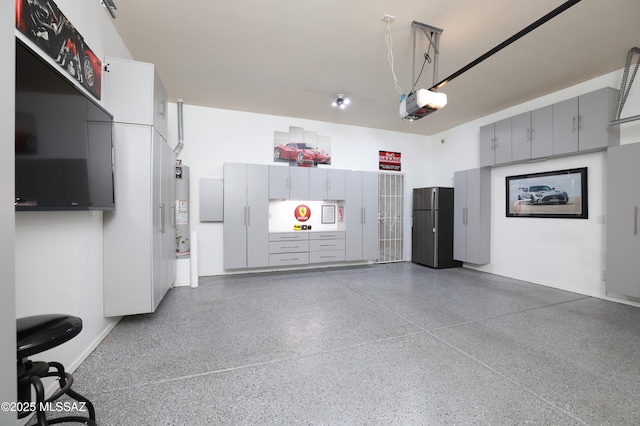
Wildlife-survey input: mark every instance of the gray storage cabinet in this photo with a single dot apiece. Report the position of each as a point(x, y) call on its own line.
point(472, 216)
point(139, 235)
point(623, 235)
point(327, 184)
point(532, 134)
point(246, 215)
point(288, 183)
point(582, 123)
point(495, 143)
point(361, 216)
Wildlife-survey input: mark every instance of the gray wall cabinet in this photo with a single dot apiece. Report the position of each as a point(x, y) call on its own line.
point(532, 134)
point(327, 184)
point(361, 216)
point(582, 123)
point(472, 216)
point(623, 237)
point(246, 215)
point(139, 236)
point(495, 143)
point(287, 182)
point(576, 125)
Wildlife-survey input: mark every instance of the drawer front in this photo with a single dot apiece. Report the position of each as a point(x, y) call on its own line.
point(288, 236)
point(288, 246)
point(326, 245)
point(327, 256)
point(326, 235)
point(282, 259)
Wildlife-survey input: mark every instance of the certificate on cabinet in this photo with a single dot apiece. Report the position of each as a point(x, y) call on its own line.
point(328, 213)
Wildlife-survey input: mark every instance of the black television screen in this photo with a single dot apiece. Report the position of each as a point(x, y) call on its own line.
point(63, 141)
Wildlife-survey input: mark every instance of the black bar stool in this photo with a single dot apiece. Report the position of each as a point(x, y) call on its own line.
point(37, 334)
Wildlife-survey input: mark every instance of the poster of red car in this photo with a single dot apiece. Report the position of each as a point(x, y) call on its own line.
point(301, 148)
point(43, 23)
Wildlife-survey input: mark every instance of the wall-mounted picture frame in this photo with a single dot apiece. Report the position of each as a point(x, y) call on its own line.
point(328, 213)
point(555, 194)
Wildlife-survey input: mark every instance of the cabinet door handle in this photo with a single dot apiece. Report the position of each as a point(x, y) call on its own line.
point(161, 207)
point(248, 215)
point(532, 134)
point(574, 124)
point(579, 122)
point(635, 220)
point(363, 216)
point(465, 214)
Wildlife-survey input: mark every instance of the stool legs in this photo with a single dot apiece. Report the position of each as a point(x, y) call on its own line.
point(31, 377)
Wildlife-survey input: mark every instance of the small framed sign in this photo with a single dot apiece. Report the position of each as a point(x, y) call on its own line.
point(328, 213)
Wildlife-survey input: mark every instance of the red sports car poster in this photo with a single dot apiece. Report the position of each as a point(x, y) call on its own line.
point(389, 161)
point(43, 23)
point(301, 148)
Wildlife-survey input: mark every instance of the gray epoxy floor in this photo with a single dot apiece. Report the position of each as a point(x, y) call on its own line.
point(384, 344)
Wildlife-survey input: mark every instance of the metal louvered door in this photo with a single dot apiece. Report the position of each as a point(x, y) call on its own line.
point(391, 217)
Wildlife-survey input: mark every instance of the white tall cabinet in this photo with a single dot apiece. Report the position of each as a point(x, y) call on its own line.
point(139, 236)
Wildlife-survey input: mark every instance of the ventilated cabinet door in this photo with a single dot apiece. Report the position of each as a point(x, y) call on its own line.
point(623, 235)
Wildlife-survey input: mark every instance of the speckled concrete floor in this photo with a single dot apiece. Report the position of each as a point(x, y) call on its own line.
point(384, 344)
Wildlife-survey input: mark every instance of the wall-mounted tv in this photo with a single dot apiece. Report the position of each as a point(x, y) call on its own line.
point(63, 141)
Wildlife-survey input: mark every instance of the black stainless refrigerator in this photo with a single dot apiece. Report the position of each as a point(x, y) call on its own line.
point(432, 232)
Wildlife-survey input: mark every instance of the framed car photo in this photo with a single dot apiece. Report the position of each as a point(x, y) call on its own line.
point(557, 194)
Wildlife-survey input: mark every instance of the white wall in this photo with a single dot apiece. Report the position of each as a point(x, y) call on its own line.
point(562, 253)
point(7, 287)
point(567, 254)
point(214, 136)
point(58, 255)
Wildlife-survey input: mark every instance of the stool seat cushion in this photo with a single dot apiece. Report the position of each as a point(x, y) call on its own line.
point(39, 333)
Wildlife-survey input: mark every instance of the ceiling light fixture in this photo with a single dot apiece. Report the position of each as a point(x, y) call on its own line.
point(341, 101)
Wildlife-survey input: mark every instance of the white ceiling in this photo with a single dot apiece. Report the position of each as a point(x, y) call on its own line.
point(291, 57)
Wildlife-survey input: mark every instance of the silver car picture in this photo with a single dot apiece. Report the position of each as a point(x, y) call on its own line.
point(543, 194)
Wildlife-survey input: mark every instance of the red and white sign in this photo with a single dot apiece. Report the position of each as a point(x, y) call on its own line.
point(389, 161)
point(302, 213)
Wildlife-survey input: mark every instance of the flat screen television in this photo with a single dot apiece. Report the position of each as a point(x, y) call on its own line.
point(63, 141)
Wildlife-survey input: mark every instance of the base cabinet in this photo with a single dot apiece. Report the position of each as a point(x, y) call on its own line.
point(472, 216)
point(139, 235)
point(623, 236)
